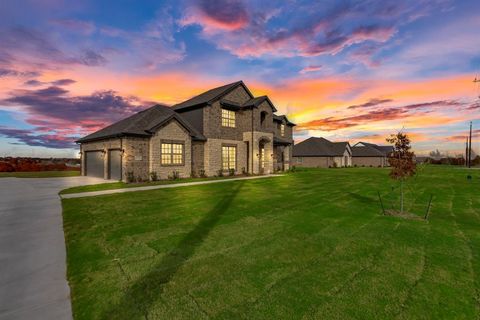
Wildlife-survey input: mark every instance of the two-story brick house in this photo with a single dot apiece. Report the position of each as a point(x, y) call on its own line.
point(220, 130)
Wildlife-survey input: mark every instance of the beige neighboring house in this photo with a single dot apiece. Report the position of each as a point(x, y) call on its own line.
point(322, 153)
point(370, 155)
point(222, 130)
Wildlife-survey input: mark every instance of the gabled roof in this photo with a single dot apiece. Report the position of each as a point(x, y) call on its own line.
point(366, 151)
point(385, 150)
point(209, 96)
point(281, 118)
point(255, 102)
point(319, 147)
point(142, 123)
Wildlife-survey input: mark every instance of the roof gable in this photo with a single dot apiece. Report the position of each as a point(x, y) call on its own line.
point(209, 96)
point(141, 124)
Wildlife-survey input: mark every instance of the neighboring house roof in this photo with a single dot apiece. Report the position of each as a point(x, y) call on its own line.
point(366, 151)
point(319, 147)
point(209, 96)
point(385, 150)
point(142, 123)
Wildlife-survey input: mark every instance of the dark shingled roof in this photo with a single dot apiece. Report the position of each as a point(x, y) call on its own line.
point(207, 96)
point(366, 151)
point(281, 118)
point(319, 147)
point(385, 150)
point(281, 141)
point(141, 124)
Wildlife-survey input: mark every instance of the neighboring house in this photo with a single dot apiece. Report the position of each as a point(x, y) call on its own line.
point(320, 152)
point(221, 130)
point(370, 155)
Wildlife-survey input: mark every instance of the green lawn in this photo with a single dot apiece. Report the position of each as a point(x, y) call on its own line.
point(309, 245)
point(39, 174)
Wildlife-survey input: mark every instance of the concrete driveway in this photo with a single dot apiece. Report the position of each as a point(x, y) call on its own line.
point(33, 281)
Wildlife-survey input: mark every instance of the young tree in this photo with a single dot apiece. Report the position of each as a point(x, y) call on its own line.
point(401, 160)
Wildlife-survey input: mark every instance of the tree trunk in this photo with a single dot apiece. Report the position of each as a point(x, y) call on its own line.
point(401, 197)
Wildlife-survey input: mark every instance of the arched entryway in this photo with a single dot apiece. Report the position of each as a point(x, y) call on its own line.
point(262, 155)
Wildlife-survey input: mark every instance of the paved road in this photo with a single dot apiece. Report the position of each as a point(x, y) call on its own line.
point(33, 281)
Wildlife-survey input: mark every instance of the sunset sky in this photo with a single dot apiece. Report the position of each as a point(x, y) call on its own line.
point(344, 70)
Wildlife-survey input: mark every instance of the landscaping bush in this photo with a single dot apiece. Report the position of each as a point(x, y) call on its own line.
point(153, 176)
point(130, 177)
point(244, 171)
point(220, 173)
point(231, 172)
point(175, 175)
point(202, 173)
point(193, 174)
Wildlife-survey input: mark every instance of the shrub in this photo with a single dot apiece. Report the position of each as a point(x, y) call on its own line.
point(175, 175)
point(244, 171)
point(220, 173)
point(231, 172)
point(202, 173)
point(153, 176)
point(139, 179)
point(193, 174)
point(355, 165)
point(130, 177)
point(335, 165)
point(292, 169)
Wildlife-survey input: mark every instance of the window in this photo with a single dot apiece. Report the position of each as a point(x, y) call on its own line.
point(228, 118)
point(229, 157)
point(282, 130)
point(263, 116)
point(299, 160)
point(172, 153)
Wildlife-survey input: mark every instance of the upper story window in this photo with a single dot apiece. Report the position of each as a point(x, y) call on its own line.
point(172, 154)
point(263, 116)
point(228, 118)
point(282, 130)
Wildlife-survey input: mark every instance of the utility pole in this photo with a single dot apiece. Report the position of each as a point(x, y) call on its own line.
point(470, 147)
point(466, 153)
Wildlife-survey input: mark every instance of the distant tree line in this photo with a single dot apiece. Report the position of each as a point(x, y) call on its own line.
point(21, 164)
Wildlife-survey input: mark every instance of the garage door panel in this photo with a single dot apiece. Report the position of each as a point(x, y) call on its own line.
point(94, 164)
point(115, 164)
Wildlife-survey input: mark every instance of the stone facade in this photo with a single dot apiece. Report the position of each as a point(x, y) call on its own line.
point(170, 132)
point(213, 155)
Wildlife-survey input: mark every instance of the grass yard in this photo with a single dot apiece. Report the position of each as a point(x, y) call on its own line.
point(39, 174)
point(309, 245)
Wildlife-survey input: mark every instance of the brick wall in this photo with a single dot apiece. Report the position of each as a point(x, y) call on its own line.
point(175, 132)
point(368, 161)
point(213, 155)
point(198, 156)
point(136, 158)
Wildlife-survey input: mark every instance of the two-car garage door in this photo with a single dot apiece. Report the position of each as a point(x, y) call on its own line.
point(95, 164)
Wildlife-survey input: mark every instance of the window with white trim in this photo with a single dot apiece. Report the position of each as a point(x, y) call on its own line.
point(229, 157)
point(172, 153)
point(228, 118)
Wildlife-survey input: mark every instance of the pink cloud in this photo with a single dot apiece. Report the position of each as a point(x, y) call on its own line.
point(310, 69)
point(217, 15)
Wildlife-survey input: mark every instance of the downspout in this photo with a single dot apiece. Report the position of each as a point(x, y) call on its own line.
point(121, 159)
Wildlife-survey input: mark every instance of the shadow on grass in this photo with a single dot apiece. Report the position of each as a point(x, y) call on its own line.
point(362, 198)
point(141, 295)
